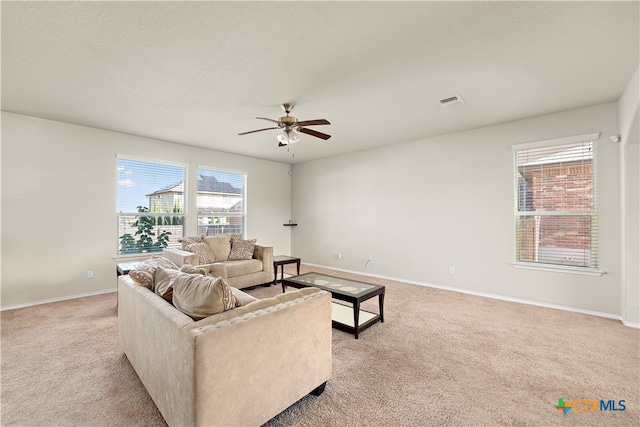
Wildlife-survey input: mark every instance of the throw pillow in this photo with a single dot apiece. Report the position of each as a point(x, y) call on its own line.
point(188, 240)
point(233, 236)
point(200, 296)
point(242, 249)
point(202, 250)
point(144, 273)
point(164, 282)
point(164, 279)
point(219, 245)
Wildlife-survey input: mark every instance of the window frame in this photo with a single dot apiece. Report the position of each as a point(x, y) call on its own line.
point(242, 214)
point(594, 248)
point(184, 214)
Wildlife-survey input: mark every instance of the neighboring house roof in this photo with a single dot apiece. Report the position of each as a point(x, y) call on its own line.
point(175, 188)
point(210, 184)
point(206, 184)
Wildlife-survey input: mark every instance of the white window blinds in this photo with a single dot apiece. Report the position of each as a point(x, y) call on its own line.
point(556, 214)
point(221, 202)
point(150, 205)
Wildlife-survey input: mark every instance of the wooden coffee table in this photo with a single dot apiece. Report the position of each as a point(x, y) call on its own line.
point(353, 320)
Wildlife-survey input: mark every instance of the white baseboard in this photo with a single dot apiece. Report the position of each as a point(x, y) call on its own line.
point(487, 295)
point(413, 282)
point(630, 324)
point(47, 301)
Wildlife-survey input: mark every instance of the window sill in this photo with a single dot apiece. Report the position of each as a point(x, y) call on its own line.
point(135, 257)
point(142, 256)
point(559, 269)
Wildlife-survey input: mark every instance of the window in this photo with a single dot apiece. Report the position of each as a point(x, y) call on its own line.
point(150, 205)
point(556, 212)
point(221, 197)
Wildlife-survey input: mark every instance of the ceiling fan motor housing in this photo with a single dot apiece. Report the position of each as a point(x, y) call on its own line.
point(288, 121)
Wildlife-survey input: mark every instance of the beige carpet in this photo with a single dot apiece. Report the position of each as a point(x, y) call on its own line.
point(440, 358)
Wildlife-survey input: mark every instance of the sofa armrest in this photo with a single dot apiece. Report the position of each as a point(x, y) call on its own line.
point(146, 324)
point(292, 336)
point(180, 257)
point(264, 254)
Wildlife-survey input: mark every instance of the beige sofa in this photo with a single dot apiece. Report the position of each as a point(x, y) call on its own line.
point(238, 273)
point(237, 368)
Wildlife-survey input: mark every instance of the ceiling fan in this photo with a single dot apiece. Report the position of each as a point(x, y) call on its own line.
point(291, 126)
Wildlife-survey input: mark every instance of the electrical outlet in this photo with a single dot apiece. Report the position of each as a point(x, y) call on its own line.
point(339, 256)
point(452, 270)
point(90, 274)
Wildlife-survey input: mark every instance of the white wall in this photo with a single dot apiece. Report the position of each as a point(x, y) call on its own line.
point(58, 204)
point(418, 208)
point(629, 109)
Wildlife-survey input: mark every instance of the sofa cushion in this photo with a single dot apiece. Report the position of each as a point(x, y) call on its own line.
point(242, 249)
point(200, 296)
point(202, 250)
point(143, 274)
point(240, 268)
point(218, 269)
point(192, 269)
point(242, 298)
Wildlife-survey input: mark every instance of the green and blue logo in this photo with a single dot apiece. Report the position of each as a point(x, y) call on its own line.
point(589, 405)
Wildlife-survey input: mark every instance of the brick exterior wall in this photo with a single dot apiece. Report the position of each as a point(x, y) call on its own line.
point(557, 188)
point(564, 188)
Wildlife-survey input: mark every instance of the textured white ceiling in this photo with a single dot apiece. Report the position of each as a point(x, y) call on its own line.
point(199, 72)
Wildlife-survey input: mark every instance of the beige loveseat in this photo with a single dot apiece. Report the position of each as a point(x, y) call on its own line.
point(240, 274)
point(240, 367)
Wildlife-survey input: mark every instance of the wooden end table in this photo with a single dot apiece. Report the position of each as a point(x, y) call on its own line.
point(282, 260)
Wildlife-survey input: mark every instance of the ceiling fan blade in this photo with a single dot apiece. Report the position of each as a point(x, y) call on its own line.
point(314, 122)
point(258, 130)
point(314, 133)
point(271, 120)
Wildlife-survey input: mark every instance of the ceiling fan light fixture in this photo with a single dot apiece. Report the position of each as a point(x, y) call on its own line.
point(288, 137)
point(293, 137)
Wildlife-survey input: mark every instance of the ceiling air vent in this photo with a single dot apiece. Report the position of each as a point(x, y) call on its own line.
point(450, 101)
